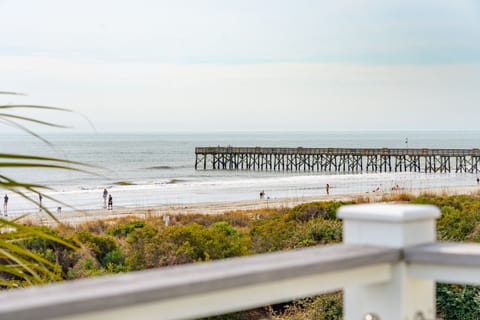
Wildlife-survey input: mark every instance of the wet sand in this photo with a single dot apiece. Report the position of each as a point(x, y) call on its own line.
point(77, 217)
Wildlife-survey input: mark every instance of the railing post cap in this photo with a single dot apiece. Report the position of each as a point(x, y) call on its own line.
point(385, 212)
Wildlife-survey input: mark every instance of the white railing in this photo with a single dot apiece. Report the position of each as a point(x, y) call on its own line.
point(387, 267)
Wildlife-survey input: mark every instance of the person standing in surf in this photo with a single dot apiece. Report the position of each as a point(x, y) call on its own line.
point(110, 202)
point(105, 194)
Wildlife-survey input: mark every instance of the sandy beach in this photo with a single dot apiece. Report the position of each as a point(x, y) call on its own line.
point(81, 216)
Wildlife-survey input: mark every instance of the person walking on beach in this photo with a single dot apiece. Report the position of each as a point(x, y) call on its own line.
point(262, 194)
point(478, 180)
point(327, 189)
point(166, 219)
point(105, 194)
point(110, 202)
point(5, 205)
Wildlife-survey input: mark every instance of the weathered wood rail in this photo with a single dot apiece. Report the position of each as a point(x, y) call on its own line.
point(338, 159)
point(387, 267)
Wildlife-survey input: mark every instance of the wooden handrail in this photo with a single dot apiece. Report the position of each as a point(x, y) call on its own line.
point(164, 287)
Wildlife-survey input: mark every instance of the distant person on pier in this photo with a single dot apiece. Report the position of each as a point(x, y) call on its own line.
point(327, 189)
point(110, 202)
point(105, 194)
point(5, 205)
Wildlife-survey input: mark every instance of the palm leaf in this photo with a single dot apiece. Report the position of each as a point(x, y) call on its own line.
point(26, 106)
point(30, 157)
point(5, 117)
point(33, 106)
point(16, 272)
point(30, 199)
point(16, 188)
point(15, 248)
point(25, 129)
point(15, 260)
point(25, 266)
point(37, 233)
point(45, 123)
point(12, 93)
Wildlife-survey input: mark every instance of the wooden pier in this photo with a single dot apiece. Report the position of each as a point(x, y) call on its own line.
point(338, 159)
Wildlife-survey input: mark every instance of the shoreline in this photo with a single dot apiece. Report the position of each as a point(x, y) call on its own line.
point(219, 207)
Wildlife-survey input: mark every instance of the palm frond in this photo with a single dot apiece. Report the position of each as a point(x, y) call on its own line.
point(45, 123)
point(33, 106)
point(37, 233)
point(7, 118)
point(15, 260)
point(15, 248)
point(13, 93)
point(30, 157)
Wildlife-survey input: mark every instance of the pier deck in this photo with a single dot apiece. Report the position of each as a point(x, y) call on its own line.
point(338, 159)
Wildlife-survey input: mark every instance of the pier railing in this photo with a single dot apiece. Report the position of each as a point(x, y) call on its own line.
point(387, 267)
point(338, 159)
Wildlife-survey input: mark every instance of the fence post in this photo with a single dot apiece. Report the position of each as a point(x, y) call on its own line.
point(395, 226)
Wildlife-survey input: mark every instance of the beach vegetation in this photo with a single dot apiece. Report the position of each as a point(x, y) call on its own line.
point(326, 307)
point(272, 233)
point(307, 211)
point(104, 248)
point(458, 301)
point(131, 243)
point(141, 248)
point(319, 231)
point(150, 247)
point(124, 230)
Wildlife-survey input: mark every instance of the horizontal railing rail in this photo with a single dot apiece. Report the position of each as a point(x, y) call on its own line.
point(445, 262)
point(445, 254)
point(201, 289)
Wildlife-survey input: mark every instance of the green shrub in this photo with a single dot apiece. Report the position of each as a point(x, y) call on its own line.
point(457, 201)
point(320, 231)
point(100, 246)
point(192, 243)
point(455, 225)
point(85, 267)
point(124, 230)
point(458, 302)
point(312, 210)
point(273, 233)
point(323, 307)
point(143, 248)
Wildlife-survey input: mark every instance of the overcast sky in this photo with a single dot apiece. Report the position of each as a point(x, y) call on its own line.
point(207, 65)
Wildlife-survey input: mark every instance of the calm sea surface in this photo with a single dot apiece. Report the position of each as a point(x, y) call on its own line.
point(159, 168)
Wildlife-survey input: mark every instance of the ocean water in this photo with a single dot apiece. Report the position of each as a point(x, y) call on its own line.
point(158, 168)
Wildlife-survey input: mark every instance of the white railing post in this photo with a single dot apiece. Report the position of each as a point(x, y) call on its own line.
point(395, 226)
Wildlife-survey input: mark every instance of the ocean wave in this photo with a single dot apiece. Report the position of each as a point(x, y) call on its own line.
point(173, 181)
point(166, 167)
point(160, 168)
point(124, 183)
